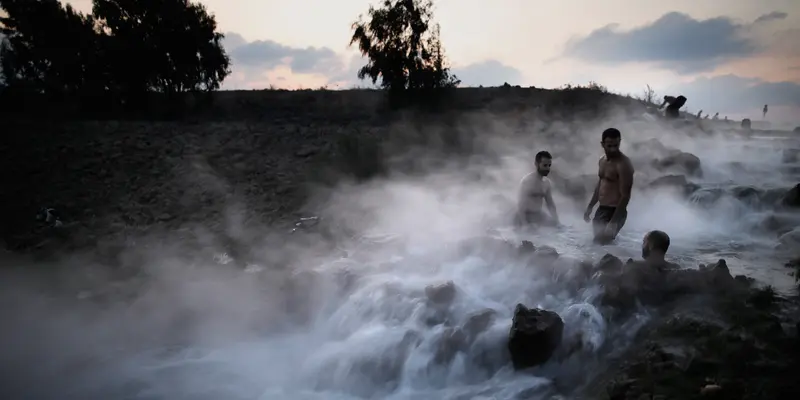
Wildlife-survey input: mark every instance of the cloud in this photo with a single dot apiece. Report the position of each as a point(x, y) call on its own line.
point(731, 94)
point(674, 42)
point(253, 62)
point(488, 73)
point(268, 54)
point(773, 16)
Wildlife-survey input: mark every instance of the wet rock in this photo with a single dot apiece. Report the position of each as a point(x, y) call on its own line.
point(792, 197)
point(686, 162)
point(609, 264)
point(678, 181)
point(449, 344)
point(478, 322)
point(790, 240)
point(442, 294)
point(526, 247)
point(718, 273)
point(779, 223)
point(706, 197)
point(790, 156)
point(535, 334)
point(746, 194)
point(486, 246)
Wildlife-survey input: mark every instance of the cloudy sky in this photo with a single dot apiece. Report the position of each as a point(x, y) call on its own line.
point(727, 56)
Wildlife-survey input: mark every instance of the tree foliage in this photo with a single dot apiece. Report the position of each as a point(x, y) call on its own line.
point(123, 47)
point(403, 47)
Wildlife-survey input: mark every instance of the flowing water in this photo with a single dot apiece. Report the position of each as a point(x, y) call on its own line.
point(380, 338)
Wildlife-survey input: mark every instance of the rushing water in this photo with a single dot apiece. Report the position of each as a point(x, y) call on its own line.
point(358, 344)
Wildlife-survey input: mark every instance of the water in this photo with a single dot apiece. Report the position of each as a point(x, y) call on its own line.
point(381, 339)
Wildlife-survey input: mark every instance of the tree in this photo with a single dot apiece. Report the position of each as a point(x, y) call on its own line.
point(171, 46)
point(403, 47)
point(48, 48)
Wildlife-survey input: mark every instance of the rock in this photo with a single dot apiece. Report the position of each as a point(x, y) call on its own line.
point(451, 342)
point(718, 273)
point(790, 240)
point(535, 335)
point(746, 194)
point(792, 197)
point(746, 123)
point(442, 294)
point(779, 223)
point(678, 181)
point(609, 264)
point(796, 129)
point(478, 322)
point(790, 155)
point(547, 252)
point(526, 247)
point(687, 162)
point(305, 152)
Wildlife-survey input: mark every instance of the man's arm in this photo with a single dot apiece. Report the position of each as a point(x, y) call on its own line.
point(522, 195)
point(595, 196)
point(625, 170)
point(551, 205)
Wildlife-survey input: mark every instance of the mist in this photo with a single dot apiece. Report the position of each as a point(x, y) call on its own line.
point(340, 310)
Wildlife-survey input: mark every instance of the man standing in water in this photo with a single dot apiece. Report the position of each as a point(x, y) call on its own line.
point(613, 190)
point(534, 189)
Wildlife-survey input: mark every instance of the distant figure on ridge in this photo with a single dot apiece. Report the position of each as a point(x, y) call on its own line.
point(764, 114)
point(535, 189)
point(716, 116)
point(699, 114)
point(613, 190)
point(674, 105)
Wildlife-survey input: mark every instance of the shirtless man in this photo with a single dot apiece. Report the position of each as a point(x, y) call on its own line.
point(613, 190)
point(654, 248)
point(534, 189)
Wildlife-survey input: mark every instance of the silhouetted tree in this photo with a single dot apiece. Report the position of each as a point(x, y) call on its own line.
point(48, 48)
point(403, 47)
point(171, 46)
point(125, 47)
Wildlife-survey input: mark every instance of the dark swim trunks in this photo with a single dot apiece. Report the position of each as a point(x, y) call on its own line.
point(602, 217)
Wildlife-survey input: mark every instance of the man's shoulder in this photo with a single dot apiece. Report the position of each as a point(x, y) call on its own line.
point(527, 179)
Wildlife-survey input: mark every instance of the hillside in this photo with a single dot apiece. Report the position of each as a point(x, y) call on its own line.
point(258, 155)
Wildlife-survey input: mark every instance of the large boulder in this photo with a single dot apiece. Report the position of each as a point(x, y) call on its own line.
point(677, 183)
point(792, 197)
point(687, 163)
point(535, 335)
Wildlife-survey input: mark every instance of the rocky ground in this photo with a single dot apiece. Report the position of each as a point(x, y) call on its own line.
point(257, 158)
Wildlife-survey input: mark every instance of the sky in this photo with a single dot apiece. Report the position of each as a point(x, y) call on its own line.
point(726, 56)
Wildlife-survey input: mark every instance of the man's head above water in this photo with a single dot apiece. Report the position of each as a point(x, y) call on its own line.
point(655, 245)
point(543, 162)
point(610, 141)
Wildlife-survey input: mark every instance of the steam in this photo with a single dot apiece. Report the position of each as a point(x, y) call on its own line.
point(307, 323)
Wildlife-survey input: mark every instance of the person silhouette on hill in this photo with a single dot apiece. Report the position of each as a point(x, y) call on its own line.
point(674, 105)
